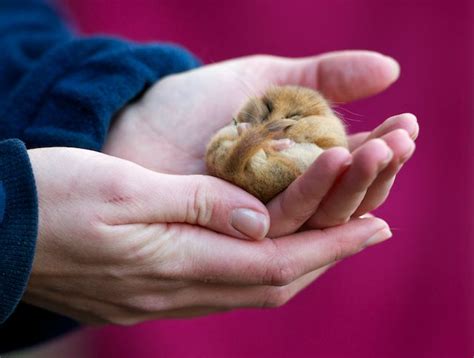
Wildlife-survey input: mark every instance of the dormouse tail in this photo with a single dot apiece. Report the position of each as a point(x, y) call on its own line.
point(252, 140)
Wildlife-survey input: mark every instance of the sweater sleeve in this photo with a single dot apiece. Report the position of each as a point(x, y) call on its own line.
point(56, 89)
point(60, 90)
point(21, 325)
point(18, 223)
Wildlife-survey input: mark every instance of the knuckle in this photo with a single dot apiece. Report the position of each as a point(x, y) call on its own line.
point(139, 248)
point(279, 269)
point(118, 189)
point(201, 206)
point(337, 252)
point(327, 219)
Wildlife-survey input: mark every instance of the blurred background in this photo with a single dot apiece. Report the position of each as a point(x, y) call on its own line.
point(410, 297)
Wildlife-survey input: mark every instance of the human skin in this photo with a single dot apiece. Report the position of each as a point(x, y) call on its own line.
point(119, 243)
point(122, 244)
point(167, 131)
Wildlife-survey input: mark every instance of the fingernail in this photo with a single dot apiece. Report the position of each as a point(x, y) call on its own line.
point(250, 223)
point(380, 236)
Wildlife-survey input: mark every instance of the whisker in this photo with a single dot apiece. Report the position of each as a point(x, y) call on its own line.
point(344, 116)
point(351, 112)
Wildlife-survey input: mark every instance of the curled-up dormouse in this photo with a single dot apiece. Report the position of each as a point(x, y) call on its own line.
point(274, 139)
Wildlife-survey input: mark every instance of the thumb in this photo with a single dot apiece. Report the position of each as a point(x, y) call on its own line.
point(342, 76)
point(198, 200)
point(350, 75)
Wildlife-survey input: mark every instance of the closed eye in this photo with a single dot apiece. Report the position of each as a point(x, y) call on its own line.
point(294, 116)
point(268, 104)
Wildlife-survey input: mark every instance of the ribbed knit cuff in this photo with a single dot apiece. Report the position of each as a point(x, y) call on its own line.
point(70, 95)
point(19, 227)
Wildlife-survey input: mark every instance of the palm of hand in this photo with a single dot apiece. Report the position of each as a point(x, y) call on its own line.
point(180, 115)
point(167, 131)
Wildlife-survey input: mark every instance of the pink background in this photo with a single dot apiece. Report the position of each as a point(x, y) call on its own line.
point(410, 297)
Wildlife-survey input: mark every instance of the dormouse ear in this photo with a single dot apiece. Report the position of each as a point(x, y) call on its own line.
point(234, 121)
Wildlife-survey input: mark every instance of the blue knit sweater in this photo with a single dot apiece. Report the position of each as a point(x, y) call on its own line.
point(55, 90)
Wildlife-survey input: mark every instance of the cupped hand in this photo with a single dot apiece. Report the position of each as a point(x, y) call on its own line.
point(342, 184)
point(168, 128)
point(120, 243)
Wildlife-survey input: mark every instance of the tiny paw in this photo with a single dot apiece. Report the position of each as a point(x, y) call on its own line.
point(281, 144)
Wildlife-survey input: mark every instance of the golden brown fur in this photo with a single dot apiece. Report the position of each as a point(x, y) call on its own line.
point(274, 139)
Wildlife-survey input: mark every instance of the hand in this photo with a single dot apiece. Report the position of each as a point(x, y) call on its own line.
point(350, 184)
point(122, 244)
point(168, 129)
